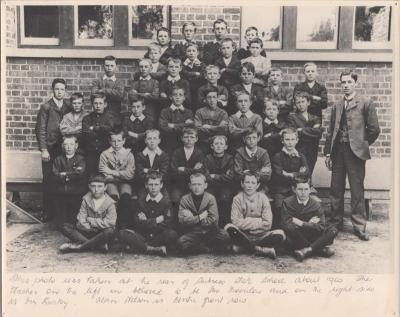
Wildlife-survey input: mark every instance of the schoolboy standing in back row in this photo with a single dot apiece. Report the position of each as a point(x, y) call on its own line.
point(212, 50)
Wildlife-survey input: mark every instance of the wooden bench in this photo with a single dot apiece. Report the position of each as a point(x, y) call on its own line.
point(377, 184)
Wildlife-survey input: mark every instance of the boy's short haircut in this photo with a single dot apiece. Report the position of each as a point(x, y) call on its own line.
point(228, 40)
point(251, 28)
point(249, 67)
point(222, 137)
point(110, 58)
point(174, 60)
point(97, 178)
point(270, 102)
point(153, 45)
point(147, 132)
point(250, 174)
point(350, 73)
point(98, 95)
point(218, 21)
point(177, 86)
point(303, 94)
point(243, 92)
point(58, 81)
point(309, 64)
point(210, 89)
point(198, 175)
point(152, 174)
point(258, 41)
point(76, 96)
point(251, 130)
point(189, 23)
point(274, 69)
point(301, 180)
point(148, 60)
point(163, 29)
point(289, 131)
point(133, 97)
point(116, 131)
point(189, 130)
point(70, 137)
point(210, 67)
point(192, 45)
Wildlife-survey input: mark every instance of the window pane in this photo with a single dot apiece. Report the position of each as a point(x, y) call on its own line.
point(372, 24)
point(146, 20)
point(268, 24)
point(41, 21)
point(95, 22)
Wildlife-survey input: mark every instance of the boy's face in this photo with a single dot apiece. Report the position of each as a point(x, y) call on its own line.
point(70, 146)
point(251, 140)
point(219, 146)
point(311, 73)
point(255, 49)
point(275, 77)
point(227, 49)
point(189, 140)
point(246, 76)
point(212, 100)
point(109, 68)
point(212, 75)
point(137, 108)
point(243, 103)
point(250, 35)
point(152, 140)
point(197, 185)
point(77, 105)
point(154, 55)
point(271, 111)
point(220, 31)
point(117, 141)
point(99, 104)
point(348, 85)
point(289, 141)
point(59, 91)
point(250, 185)
point(174, 69)
point(191, 53)
point(178, 97)
point(154, 186)
point(302, 191)
point(97, 189)
point(189, 32)
point(302, 104)
point(163, 38)
point(144, 68)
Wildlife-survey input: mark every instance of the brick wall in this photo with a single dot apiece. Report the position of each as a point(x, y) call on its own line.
point(29, 85)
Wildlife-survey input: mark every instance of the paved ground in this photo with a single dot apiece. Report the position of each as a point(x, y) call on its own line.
point(36, 250)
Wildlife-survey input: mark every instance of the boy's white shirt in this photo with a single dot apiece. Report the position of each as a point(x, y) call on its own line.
point(248, 114)
point(311, 85)
point(148, 77)
point(268, 121)
point(251, 153)
point(154, 66)
point(58, 103)
point(188, 152)
point(163, 49)
point(151, 154)
point(141, 117)
point(98, 202)
point(174, 79)
point(173, 107)
point(302, 202)
point(113, 78)
point(305, 115)
point(248, 87)
point(69, 156)
point(157, 198)
point(227, 60)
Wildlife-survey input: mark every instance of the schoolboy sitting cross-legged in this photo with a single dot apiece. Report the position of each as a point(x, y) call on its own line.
point(303, 221)
point(198, 218)
point(251, 216)
point(152, 230)
point(96, 220)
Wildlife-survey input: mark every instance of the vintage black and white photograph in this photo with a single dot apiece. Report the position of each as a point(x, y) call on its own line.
point(199, 138)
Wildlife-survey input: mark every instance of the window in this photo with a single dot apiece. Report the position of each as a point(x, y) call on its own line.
point(268, 24)
point(39, 25)
point(372, 27)
point(94, 25)
point(143, 22)
point(317, 27)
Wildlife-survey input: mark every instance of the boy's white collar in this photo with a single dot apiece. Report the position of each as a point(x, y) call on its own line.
point(248, 114)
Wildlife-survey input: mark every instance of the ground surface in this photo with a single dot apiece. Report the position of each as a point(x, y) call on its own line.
point(36, 250)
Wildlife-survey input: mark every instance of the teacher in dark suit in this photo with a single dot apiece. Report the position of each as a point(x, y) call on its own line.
point(353, 128)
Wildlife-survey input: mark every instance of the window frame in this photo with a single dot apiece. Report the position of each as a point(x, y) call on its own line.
point(37, 41)
point(91, 42)
point(136, 42)
point(372, 45)
point(331, 45)
point(268, 45)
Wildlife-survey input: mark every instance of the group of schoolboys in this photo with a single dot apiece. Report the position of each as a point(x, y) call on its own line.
point(223, 119)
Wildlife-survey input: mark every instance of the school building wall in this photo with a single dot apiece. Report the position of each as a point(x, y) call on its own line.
point(28, 80)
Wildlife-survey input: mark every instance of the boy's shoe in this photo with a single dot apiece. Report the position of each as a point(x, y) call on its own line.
point(237, 249)
point(264, 251)
point(104, 248)
point(69, 247)
point(363, 236)
point(162, 251)
point(301, 254)
point(326, 252)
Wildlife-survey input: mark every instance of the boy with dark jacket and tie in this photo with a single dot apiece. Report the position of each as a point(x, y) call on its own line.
point(228, 64)
point(212, 50)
